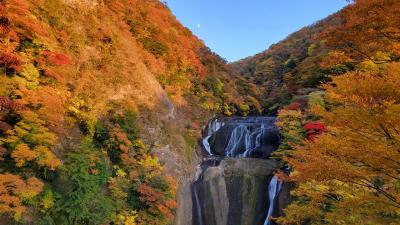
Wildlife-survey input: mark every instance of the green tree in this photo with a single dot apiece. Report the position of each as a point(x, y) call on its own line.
point(81, 200)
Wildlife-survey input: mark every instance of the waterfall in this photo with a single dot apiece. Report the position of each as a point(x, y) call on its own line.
point(274, 188)
point(244, 137)
point(233, 137)
point(197, 205)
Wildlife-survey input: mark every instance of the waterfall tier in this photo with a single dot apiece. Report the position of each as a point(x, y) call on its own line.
point(250, 137)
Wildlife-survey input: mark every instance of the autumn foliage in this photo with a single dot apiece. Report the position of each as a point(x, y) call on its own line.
point(354, 163)
point(10, 61)
point(362, 35)
point(55, 58)
point(14, 190)
point(294, 106)
point(343, 147)
point(73, 72)
point(138, 185)
point(8, 104)
point(65, 66)
point(314, 129)
point(367, 27)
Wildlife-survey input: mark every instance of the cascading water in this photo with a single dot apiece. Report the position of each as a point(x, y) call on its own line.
point(237, 137)
point(254, 137)
point(273, 190)
point(213, 126)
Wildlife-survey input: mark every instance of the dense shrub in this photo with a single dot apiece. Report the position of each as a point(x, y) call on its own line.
point(80, 199)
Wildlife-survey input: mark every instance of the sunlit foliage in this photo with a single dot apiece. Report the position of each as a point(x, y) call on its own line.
point(353, 164)
point(346, 163)
point(363, 35)
point(14, 191)
point(52, 85)
point(141, 191)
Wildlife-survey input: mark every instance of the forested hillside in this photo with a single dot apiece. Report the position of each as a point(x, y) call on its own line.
point(358, 37)
point(335, 88)
point(289, 67)
point(91, 92)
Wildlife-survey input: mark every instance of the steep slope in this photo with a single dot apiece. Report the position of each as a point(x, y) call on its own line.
point(352, 38)
point(91, 92)
point(286, 68)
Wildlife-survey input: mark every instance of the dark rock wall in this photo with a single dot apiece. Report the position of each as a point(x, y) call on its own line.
point(233, 193)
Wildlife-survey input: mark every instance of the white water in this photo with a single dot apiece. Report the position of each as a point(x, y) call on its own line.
point(244, 138)
point(251, 139)
point(273, 191)
point(234, 141)
point(213, 127)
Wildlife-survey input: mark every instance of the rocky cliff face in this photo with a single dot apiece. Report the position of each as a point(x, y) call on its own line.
point(230, 192)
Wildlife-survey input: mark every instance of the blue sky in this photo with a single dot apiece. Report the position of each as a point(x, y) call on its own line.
point(236, 29)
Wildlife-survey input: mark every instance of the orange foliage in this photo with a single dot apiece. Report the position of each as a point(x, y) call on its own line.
point(120, 139)
point(357, 159)
point(367, 26)
point(171, 204)
point(333, 58)
point(154, 198)
point(18, 14)
point(34, 186)
point(10, 60)
point(41, 155)
point(12, 191)
point(55, 58)
point(6, 103)
point(165, 211)
point(23, 154)
point(149, 194)
point(49, 72)
point(48, 101)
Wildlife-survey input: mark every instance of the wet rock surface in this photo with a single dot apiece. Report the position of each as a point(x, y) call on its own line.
point(233, 192)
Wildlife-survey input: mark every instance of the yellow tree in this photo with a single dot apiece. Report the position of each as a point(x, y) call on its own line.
point(30, 141)
point(350, 174)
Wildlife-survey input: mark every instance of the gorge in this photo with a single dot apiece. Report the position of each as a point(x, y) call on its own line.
point(106, 111)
